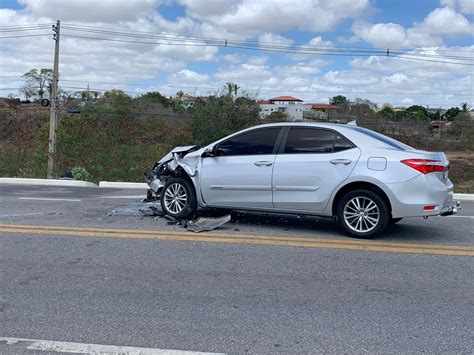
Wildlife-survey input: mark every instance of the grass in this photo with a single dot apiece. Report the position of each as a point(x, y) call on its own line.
point(461, 171)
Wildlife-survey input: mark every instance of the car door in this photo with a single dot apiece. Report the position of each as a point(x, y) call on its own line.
point(311, 163)
point(240, 174)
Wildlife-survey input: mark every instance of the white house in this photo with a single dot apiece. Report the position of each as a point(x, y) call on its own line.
point(290, 105)
point(294, 108)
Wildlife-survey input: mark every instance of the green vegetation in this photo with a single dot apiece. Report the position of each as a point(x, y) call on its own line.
point(79, 173)
point(116, 137)
point(217, 116)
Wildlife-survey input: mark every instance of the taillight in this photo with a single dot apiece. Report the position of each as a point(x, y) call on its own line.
point(425, 166)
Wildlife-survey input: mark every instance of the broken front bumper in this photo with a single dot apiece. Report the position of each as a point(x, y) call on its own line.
point(450, 210)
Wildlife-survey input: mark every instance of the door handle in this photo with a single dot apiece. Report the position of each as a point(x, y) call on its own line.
point(340, 161)
point(263, 163)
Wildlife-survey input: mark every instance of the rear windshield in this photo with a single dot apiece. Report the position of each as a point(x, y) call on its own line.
point(384, 139)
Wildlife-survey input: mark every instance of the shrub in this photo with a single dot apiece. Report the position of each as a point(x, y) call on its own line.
point(79, 173)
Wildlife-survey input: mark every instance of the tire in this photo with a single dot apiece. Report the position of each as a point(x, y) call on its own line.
point(178, 198)
point(395, 220)
point(360, 222)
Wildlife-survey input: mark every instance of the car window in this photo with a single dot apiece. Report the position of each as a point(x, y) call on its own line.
point(310, 140)
point(255, 142)
point(341, 144)
point(384, 139)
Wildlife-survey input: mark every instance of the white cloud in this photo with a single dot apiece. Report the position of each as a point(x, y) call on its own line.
point(90, 11)
point(392, 35)
point(257, 60)
point(440, 22)
point(255, 17)
point(465, 6)
point(348, 39)
point(244, 72)
point(446, 21)
point(336, 77)
point(396, 78)
point(274, 39)
point(381, 35)
point(234, 58)
point(186, 77)
point(273, 74)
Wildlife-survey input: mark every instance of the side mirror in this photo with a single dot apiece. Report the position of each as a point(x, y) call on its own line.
point(209, 152)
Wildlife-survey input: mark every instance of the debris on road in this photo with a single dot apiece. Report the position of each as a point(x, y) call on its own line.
point(151, 209)
point(202, 224)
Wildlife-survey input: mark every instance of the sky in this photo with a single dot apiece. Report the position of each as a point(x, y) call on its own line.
point(110, 44)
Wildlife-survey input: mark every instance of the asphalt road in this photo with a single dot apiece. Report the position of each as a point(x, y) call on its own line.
point(84, 265)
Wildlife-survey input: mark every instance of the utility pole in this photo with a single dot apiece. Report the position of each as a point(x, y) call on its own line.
point(53, 121)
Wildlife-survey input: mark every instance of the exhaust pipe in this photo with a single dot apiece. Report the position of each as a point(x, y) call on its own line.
point(453, 210)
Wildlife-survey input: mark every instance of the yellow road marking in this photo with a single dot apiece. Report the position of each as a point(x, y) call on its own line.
point(233, 239)
point(244, 236)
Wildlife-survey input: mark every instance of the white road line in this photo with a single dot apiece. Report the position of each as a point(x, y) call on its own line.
point(81, 348)
point(129, 196)
point(21, 214)
point(49, 199)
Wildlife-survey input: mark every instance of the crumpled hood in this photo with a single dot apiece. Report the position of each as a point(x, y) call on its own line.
point(183, 150)
point(186, 157)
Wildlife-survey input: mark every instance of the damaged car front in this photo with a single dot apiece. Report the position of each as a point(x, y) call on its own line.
point(177, 167)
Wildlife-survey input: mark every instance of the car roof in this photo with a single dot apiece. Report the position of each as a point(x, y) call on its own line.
point(308, 124)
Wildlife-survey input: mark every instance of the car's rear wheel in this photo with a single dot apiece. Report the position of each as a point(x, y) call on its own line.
point(178, 198)
point(362, 213)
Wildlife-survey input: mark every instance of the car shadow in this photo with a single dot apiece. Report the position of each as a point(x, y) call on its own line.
point(412, 230)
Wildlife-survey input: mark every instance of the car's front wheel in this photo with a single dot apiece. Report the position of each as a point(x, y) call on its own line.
point(178, 198)
point(362, 214)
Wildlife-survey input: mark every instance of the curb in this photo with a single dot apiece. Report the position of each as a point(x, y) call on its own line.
point(47, 182)
point(123, 185)
point(465, 197)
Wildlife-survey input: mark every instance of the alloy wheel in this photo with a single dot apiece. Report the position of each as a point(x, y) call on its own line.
point(175, 198)
point(361, 214)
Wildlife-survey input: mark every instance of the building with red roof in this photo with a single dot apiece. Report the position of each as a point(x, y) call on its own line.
point(294, 108)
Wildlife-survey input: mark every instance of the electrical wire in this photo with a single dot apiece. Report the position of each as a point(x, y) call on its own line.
point(266, 45)
point(24, 36)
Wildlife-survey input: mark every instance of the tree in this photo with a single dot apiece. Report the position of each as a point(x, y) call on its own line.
point(465, 107)
point(67, 96)
point(387, 112)
point(338, 100)
point(38, 81)
point(417, 112)
point(232, 89)
point(217, 116)
point(451, 113)
point(436, 116)
point(28, 92)
point(155, 96)
point(276, 116)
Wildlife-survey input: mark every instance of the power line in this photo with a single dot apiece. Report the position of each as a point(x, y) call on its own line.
point(24, 29)
point(26, 26)
point(303, 49)
point(153, 34)
point(265, 49)
point(24, 36)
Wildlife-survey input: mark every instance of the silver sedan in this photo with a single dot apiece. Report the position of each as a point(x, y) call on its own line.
point(364, 179)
